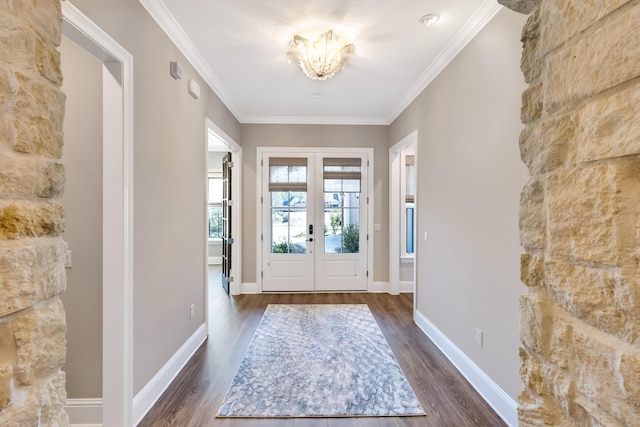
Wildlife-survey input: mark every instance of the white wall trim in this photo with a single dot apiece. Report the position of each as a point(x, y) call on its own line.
point(84, 412)
point(249, 288)
point(406, 287)
point(117, 146)
point(487, 10)
point(301, 120)
point(504, 405)
point(149, 395)
point(169, 25)
point(236, 214)
point(380, 288)
point(409, 142)
point(214, 260)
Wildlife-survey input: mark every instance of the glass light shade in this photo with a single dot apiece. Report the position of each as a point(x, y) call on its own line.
point(322, 58)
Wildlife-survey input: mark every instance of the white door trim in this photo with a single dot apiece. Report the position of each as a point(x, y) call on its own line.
point(117, 279)
point(395, 192)
point(337, 150)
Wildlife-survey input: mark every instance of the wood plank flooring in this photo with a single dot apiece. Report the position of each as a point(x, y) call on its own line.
point(194, 397)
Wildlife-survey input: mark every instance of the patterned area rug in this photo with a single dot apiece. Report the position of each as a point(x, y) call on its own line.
point(319, 360)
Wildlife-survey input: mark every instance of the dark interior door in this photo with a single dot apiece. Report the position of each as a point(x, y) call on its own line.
point(227, 239)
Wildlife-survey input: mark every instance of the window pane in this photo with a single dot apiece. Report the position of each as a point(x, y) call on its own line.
point(351, 238)
point(341, 230)
point(297, 174)
point(215, 190)
point(279, 198)
point(351, 185)
point(332, 200)
point(288, 222)
point(409, 235)
point(332, 231)
point(279, 174)
point(333, 185)
point(297, 199)
point(351, 200)
point(411, 180)
point(215, 222)
point(284, 174)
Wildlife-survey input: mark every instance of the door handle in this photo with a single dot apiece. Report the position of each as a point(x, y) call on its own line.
point(310, 239)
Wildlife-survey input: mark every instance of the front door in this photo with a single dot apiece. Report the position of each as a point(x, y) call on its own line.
point(314, 210)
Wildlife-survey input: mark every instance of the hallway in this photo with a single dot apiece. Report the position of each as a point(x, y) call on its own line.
point(195, 395)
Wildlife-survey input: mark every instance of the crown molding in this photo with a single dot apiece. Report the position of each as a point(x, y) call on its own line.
point(485, 13)
point(159, 12)
point(301, 120)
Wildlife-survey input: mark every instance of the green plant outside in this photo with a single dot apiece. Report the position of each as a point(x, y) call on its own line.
point(284, 247)
point(351, 239)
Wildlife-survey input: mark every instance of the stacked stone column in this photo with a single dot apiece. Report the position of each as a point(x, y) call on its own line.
point(32, 275)
point(580, 214)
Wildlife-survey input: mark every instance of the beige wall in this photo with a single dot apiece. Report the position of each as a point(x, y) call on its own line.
point(469, 181)
point(169, 184)
point(82, 200)
point(376, 137)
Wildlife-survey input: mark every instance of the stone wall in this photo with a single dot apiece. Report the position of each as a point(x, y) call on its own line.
point(580, 214)
point(32, 275)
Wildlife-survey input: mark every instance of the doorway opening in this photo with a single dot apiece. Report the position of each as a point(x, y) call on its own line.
point(116, 406)
point(403, 214)
point(223, 237)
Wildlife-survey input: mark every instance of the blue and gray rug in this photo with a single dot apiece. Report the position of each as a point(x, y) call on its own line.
point(319, 360)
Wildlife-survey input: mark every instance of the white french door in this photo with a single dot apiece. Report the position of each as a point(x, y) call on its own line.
point(314, 221)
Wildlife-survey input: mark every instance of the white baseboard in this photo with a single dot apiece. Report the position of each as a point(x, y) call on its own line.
point(214, 260)
point(249, 288)
point(406, 287)
point(376, 288)
point(380, 288)
point(84, 412)
point(149, 395)
point(504, 405)
point(385, 287)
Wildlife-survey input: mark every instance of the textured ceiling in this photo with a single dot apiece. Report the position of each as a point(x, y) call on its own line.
point(241, 47)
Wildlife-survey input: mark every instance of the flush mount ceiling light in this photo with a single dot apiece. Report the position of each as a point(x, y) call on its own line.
point(320, 59)
point(429, 19)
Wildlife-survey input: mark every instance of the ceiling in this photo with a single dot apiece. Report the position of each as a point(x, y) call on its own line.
point(239, 47)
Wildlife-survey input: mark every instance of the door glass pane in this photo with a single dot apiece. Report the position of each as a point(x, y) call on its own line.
point(332, 231)
point(215, 222)
point(342, 206)
point(287, 174)
point(352, 185)
point(288, 222)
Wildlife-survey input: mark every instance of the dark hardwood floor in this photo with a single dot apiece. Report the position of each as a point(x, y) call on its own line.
point(194, 397)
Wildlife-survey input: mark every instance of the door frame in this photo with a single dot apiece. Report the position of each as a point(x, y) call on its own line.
point(236, 212)
point(337, 151)
point(117, 227)
point(395, 182)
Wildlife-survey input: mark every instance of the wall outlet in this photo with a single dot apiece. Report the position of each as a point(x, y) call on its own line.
point(67, 259)
point(479, 336)
point(426, 236)
point(192, 311)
